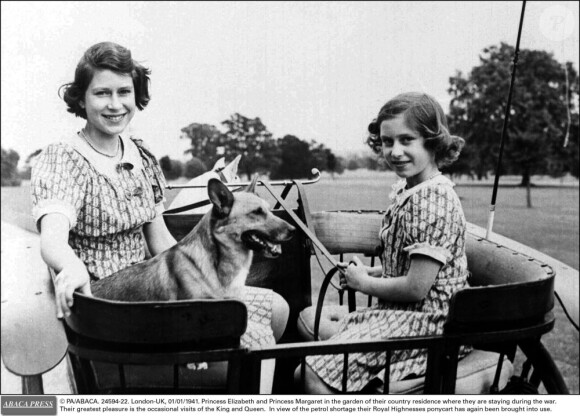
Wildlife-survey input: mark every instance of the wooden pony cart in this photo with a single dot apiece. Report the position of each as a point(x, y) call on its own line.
point(149, 347)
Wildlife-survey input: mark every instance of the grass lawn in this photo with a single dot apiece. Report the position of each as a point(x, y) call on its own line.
point(551, 226)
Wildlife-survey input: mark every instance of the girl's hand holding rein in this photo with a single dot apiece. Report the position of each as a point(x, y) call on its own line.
point(410, 288)
point(376, 271)
point(355, 275)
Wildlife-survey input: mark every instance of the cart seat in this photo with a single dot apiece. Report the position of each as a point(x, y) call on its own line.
point(507, 291)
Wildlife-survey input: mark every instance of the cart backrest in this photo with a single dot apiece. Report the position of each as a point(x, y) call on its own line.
point(508, 289)
point(348, 232)
point(493, 264)
point(145, 347)
point(203, 322)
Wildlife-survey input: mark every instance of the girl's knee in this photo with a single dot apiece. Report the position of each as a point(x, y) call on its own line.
point(303, 382)
point(311, 383)
point(299, 382)
point(280, 314)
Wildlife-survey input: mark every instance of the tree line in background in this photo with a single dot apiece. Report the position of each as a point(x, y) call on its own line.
point(285, 157)
point(10, 174)
point(542, 135)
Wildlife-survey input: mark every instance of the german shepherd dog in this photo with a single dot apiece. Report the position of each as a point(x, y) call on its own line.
point(213, 260)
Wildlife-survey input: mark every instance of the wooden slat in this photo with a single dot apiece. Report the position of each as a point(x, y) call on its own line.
point(345, 372)
point(348, 232)
point(157, 322)
point(301, 349)
point(32, 385)
point(387, 377)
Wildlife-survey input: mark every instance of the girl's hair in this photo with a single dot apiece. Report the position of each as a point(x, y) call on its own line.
point(111, 56)
point(423, 114)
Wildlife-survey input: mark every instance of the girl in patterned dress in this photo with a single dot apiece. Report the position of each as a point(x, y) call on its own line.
point(98, 195)
point(423, 249)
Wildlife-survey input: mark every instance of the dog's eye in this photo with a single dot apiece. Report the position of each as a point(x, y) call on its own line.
point(258, 211)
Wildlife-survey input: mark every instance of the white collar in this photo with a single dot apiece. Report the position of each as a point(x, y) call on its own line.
point(131, 155)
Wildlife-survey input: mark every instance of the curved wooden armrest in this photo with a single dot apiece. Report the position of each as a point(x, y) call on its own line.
point(302, 349)
point(33, 339)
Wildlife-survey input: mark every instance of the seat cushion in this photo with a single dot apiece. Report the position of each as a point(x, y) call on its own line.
point(475, 372)
point(329, 321)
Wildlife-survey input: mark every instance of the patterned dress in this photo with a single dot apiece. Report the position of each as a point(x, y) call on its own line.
point(426, 219)
point(107, 206)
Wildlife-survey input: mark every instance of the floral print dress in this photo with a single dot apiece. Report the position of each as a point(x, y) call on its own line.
point(426, 219)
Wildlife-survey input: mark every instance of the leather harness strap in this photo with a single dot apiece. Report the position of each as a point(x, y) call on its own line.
point(187, 207)
point(200, 203)
point(305, 210)
point(302, 226)
point(308, 219)
point(310, 234)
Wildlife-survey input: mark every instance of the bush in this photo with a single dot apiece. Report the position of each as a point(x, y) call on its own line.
point(172, 169)
point(193, 168)
point(9, 172)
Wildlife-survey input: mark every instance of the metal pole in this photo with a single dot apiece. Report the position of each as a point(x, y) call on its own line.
point(314, 171)
point(504, 130)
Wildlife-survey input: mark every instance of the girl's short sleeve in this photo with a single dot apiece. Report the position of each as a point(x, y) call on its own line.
point(431, 223)
point(57, 184)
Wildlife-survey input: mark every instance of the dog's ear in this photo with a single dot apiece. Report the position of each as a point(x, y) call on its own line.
point(231, 170)
point(252, 186)
point(221, 198)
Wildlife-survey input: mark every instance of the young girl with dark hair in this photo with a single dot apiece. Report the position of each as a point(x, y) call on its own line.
point(98, 194)
point(423, 249)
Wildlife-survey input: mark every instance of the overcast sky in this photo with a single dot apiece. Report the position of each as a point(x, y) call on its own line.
point(317, 70)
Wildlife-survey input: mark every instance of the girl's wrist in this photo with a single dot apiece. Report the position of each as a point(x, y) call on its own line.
point(72, 263)
point(75, 266)
point(364, 283)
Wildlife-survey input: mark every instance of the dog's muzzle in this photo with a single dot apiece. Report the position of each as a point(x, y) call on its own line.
point(269, 246)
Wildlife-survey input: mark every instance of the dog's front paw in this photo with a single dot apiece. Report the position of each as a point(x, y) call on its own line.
point(197, 366)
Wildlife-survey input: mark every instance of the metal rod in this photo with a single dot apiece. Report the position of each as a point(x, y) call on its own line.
point(504, 130)
point(314, 171)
